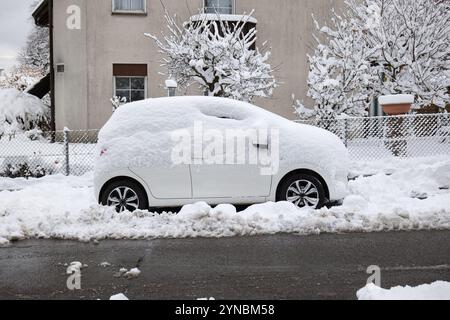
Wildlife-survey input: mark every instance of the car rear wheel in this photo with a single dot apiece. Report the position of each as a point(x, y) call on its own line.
point(125, 195)
point(302, 190)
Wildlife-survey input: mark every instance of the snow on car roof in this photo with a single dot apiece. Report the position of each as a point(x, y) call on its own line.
point(168, 114)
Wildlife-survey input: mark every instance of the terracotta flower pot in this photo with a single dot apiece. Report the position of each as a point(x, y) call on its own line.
point(394, 105)
point(397, 109)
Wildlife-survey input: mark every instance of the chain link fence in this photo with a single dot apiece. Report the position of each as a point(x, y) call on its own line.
point(404, 136)
point(36, 155)
point(73, 152)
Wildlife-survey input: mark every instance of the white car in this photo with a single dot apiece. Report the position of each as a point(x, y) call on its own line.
point(169, 152)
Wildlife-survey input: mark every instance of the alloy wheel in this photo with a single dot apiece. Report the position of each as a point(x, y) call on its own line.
point(303, 193)
point(123, 199)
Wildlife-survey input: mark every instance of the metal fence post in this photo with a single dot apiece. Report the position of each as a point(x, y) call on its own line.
point(66, 151)
point(346, 132)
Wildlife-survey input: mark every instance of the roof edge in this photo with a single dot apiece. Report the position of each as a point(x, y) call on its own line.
point(40, 13)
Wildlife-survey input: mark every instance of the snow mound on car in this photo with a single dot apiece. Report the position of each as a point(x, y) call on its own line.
point(141, 132)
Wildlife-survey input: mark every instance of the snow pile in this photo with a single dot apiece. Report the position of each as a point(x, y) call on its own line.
point(438, 290)
point(133, 273)
point(119, 297)
point(64, 208)
point(20, 111)
point(74, 182)
point(105, 264)
point(74, 267)
point(3, 242)
point(129, 274)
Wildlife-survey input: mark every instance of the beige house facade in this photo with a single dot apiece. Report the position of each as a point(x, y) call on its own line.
point(99, 50)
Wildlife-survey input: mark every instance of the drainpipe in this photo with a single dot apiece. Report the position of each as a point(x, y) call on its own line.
point(52, 68)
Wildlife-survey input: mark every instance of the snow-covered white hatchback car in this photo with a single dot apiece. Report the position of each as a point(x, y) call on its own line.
point(169, 152)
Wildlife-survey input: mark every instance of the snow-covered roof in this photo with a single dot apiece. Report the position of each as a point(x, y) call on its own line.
point(396, 99)
point(224, 17)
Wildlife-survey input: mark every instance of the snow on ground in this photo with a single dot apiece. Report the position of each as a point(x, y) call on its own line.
point(64, 208)
point(74, 267)
point(72, 182)
point(439, 290)
point(119, 297)
point(19, 149)
point(133, 273)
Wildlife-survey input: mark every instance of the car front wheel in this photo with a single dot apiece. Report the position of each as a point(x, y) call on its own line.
point(302, 190)
point(125, 195)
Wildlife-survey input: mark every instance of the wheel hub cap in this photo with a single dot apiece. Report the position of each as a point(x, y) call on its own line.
point(303, 193)
point(123, 199)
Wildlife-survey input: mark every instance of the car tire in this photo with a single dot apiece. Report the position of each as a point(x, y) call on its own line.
point(302, 190)
point(125, 195)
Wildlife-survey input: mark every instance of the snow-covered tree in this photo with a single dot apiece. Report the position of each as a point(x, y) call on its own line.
point(218, 56)
point(36, 53)
point(33, 60)
point(340, 75)
point(414, 42)
point(117, 102)
point(381, 47)
point(21, 112)
point(20, 78)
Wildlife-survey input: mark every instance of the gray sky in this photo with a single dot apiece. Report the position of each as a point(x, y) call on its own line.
point(15, 23)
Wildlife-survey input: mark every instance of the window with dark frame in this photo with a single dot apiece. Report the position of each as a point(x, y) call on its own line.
point(219, 6)
point(129, 6)
point(130, 81)
point(131, 88)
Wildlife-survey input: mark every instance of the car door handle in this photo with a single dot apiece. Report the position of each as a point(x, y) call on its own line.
point(261, 146)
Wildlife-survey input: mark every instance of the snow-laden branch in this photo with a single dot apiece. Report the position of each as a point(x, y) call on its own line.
point(381, 47)
point(217, 55)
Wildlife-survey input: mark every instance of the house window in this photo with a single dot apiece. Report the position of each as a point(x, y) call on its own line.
point(138, 6)
point(130, 81)
point(219, 6)
point(130, 88)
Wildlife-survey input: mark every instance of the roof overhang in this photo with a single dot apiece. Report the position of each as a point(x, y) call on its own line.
point(224, 17)
point(41, 14)
point(40, 88)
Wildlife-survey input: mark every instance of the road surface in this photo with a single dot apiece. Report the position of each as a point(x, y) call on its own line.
point(264, 267)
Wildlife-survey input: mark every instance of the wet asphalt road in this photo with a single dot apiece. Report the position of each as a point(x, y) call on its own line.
point(263, 267)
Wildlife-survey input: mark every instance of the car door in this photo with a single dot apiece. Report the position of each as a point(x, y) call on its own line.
point(229, 180)
point(167, 183)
